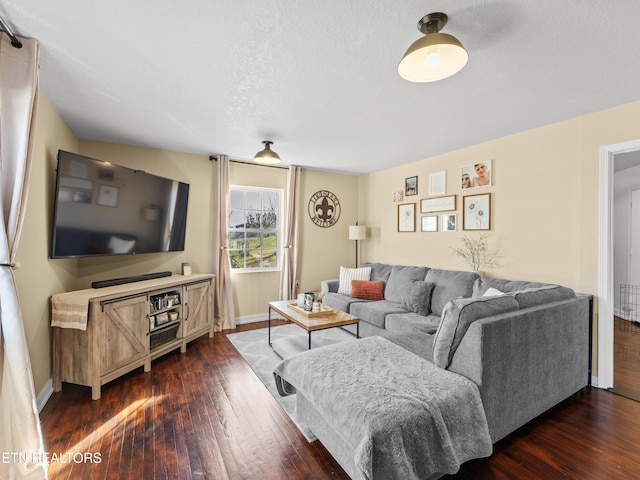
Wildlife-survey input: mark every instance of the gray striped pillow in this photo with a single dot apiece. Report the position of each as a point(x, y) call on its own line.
point(348, 274)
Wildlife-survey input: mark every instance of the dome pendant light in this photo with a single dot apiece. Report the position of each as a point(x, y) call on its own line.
point(267, 155)
point(434, 56)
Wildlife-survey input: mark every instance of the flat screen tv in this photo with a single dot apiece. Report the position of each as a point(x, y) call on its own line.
point(105, 209)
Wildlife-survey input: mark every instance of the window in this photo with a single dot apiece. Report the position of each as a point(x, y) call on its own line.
point(254, 220)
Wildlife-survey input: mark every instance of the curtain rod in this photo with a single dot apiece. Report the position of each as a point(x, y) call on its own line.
point(14, 40)
point(213, 158)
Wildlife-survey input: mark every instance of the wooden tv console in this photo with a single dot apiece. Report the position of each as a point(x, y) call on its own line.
point(130, 325)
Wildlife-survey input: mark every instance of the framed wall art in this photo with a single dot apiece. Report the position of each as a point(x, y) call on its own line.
point(437, 183)
point(411, 186)
point(429, 223)
point(407, 217)
point(438, 204)
point(476, 175)
point(476, 212)
point(449, 222)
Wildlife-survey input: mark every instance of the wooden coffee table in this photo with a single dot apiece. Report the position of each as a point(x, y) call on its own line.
point(311, 321)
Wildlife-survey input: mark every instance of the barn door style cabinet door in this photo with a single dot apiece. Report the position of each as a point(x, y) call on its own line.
point(197, 310)
point(130, 325)
point(125, 337)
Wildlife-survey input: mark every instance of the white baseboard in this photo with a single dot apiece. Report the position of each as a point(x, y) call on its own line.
point(44, 395)
point(252, 319)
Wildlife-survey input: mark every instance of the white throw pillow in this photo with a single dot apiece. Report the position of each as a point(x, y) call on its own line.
point(492, 292)
point(348, 274)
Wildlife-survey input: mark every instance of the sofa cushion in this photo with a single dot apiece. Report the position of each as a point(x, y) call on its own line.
point(367, 289)
point(417, 297)
point(538, 296)
point(399, 279)
point(375, 312)
point(456, 318)
point(339, 301)
point(348, 274)
point(449, 285)
point(379, 271)
point(402, 323)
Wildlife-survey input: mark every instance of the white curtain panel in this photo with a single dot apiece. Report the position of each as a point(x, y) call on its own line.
point(20, 434)
point(225, 317)
point(290, 256)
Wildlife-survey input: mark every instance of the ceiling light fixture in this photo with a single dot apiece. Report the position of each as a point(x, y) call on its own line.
point(267, 155)
point(434, 56)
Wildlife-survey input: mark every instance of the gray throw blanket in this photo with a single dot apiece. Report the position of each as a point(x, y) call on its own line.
point(404, 417)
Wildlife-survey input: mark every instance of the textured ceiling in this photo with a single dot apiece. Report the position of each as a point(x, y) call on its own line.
point(319, 79)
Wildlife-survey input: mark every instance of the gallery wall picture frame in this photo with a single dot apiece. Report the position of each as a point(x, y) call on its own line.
point(438, 204)
point(410, 186)
point(476, 212)
point(437, 183)
point(449, 222)
point(476, 175)
point(407, 217)
point(108, 196)
point(398, 196)
point(429, 223)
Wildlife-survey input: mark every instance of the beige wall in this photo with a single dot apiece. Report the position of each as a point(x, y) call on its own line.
point(323, 250)
point(38, 278)
point(534, 198)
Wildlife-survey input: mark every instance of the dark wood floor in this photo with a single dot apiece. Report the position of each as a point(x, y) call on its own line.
point(205, 415)
point(626, 358)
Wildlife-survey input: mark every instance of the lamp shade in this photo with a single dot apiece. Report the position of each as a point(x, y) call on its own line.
point(267, 155)
point(433, 57)
point(357, 232)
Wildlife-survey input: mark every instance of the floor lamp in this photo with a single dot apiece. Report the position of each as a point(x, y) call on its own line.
point(357, 232)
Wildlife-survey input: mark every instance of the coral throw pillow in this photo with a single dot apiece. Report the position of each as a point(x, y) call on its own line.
point(367, 290)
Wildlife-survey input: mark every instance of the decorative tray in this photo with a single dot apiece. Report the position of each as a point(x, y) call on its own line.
point(325, 310)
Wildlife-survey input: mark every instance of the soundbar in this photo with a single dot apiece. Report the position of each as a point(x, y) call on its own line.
point(123, 280)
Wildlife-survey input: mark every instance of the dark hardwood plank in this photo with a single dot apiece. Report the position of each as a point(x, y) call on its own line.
point(626, 358)
point(205, 415)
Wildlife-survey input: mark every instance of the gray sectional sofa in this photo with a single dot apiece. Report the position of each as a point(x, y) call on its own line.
point(525, 345)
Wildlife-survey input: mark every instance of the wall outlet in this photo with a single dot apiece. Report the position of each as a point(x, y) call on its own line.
point(297, 283)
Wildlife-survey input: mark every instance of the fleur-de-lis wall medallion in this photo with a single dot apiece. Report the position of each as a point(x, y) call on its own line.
point(324, 208)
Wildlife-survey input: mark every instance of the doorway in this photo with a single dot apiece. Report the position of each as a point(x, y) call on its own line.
point(619, 270)
point(626, 274)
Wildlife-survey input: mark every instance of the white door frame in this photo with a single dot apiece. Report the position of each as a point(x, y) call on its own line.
point(605, 261)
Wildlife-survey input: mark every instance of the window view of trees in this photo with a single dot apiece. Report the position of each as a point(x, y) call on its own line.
point(253, 227)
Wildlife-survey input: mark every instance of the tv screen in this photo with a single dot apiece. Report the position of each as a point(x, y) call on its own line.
point(105, 209)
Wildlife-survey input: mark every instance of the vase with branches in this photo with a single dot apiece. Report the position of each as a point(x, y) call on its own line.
point(476, 253)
